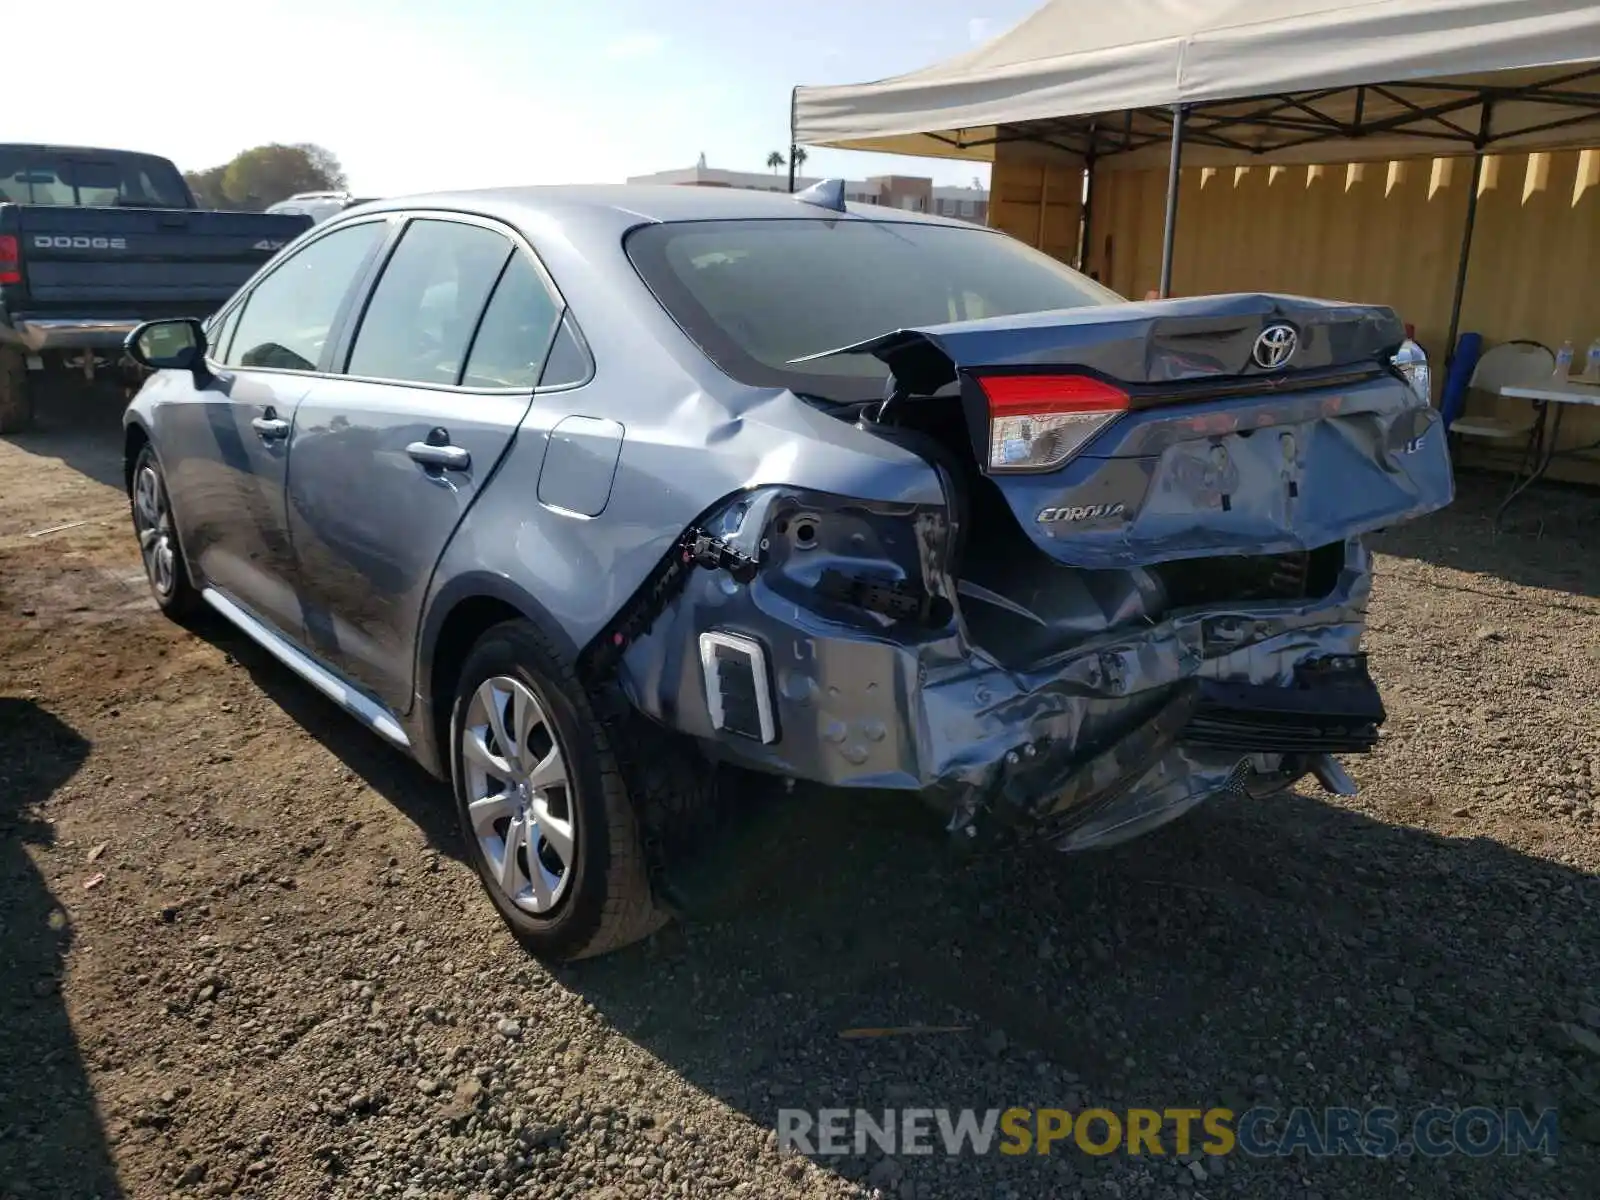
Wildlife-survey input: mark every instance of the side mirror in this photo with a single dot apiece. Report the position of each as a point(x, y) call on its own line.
point(172, 345)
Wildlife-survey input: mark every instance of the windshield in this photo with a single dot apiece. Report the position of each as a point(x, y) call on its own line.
point(89, 180)
point(756, 295)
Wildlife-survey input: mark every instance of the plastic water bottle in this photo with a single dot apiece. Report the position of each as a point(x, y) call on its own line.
point(1564, 360)
point(1591, 365)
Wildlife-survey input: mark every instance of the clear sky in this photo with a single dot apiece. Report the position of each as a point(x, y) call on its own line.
point(420, 94)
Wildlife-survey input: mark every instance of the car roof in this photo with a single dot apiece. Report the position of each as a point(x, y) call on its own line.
point(624, 205)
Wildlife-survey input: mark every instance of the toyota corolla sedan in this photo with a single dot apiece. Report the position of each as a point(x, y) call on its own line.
point(572, 492)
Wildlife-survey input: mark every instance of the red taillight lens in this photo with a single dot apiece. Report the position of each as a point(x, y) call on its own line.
point(1037, 422)
point(10, 260)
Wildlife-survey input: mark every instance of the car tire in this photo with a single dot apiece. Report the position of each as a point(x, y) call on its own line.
point(542, 803)
point(165, 568)
point(16, 396)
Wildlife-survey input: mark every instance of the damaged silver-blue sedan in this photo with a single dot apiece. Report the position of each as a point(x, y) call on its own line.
point(570, 492)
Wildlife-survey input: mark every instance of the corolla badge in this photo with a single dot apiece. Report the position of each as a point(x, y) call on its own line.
point(1275, 345)
point(1079, 512)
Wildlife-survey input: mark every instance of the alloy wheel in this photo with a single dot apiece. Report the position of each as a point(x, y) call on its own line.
point(519, 794)
point(152, 520)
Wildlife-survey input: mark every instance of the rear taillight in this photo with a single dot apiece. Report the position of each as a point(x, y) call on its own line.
point(1412, 364)
point(1037, 422)
point(10, 260)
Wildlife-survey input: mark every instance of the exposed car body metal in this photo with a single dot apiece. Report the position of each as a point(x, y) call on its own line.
point(659, 501)
point(885, 710)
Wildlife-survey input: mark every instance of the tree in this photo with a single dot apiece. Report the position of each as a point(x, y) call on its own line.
point(775, 160)
point(207, 187)
point(798, 156)
point(267, 174)
point(263, 175)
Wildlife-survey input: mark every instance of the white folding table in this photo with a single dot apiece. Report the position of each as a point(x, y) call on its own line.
point(1544, 439)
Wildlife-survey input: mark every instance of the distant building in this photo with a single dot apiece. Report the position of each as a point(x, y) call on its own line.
point(913, 192)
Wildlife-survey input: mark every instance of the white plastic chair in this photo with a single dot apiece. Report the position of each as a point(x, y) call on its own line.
point(1506, 365)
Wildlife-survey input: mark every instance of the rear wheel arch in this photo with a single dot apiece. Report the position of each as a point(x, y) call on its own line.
point(670, 792)
point(603, 897)
point(462, 612)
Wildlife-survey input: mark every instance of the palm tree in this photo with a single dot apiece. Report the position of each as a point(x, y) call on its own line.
point(775, 160)
point(798, 154)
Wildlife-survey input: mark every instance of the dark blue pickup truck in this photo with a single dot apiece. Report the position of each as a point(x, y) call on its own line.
point(93, 242)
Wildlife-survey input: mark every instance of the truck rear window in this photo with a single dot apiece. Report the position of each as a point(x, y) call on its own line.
point(90, 181)
point(757, 294)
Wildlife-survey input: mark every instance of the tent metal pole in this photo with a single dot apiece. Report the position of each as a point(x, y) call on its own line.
point(1044, 199)
point(1466, 255)
point(1174, 173)
point(1085, 227)
point(794, 102)
point(1465, 261)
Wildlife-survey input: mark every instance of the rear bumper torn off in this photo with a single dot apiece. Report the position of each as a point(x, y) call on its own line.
point(1122, 732)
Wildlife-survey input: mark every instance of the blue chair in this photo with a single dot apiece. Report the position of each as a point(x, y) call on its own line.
point(1458, 377)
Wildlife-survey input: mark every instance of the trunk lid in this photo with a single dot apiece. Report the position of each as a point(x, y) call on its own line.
point(1229, 437)
point(1157, 341)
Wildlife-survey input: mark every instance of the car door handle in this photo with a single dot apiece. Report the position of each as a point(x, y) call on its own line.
point(447, 457)
point(270, 428)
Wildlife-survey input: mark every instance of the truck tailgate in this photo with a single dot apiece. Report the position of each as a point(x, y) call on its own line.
point(144, 260)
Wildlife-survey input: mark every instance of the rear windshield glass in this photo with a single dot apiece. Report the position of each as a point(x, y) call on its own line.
point(30, 177)
point(756, 295)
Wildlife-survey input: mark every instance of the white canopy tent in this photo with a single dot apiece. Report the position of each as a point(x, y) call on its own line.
point(1231, 82)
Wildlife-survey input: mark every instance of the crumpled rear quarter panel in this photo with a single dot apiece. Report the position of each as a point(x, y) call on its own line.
point(858, 707)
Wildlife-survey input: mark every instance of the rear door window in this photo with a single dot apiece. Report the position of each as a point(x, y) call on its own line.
point(514, 337)
point(568, 362)
point(288, 315)
point(420, 321)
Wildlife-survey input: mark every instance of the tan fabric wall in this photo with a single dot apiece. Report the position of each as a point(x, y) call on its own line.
point(1038, 201)
point(1387, 233)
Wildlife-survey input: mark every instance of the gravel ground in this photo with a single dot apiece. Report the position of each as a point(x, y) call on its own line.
point(241, 953)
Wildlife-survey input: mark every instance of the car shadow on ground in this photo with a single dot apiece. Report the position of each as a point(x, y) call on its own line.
point(80, 424)
point(51, 1140)
point(1286, 952)
point(418, 796)
point(1545, 541)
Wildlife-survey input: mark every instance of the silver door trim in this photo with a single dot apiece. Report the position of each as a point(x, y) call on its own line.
point(362, 707)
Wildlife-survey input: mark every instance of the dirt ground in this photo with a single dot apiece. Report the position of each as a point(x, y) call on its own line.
point(240, 952)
